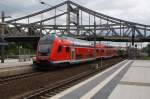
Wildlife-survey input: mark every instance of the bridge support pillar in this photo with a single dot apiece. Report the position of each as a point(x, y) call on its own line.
point(68, 17)
point(2, 53)
point(2, 36)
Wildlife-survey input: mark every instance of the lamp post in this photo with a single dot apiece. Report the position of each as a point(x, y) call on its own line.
point(55, 13)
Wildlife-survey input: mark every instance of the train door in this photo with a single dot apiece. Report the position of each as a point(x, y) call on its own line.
point(72, 54)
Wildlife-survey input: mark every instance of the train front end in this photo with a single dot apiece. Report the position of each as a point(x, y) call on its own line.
point(43, 55)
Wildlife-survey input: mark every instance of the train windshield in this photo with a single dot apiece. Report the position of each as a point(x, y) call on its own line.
point(45, 43)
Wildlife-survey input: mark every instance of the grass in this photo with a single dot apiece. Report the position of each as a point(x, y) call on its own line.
point(145, 58)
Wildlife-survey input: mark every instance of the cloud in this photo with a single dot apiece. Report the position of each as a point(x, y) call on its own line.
point(17, 8)
point(132, 10)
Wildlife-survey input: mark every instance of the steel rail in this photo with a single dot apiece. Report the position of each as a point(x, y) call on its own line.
point(5, 80)
point(56, 85)
point(35, 94)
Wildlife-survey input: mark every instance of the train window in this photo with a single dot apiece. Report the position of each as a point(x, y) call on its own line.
point(102, 50)
point(67, 49)
point(59, 49)
point(97, 50)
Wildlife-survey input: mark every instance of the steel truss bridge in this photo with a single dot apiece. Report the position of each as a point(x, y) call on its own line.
point(75, 20)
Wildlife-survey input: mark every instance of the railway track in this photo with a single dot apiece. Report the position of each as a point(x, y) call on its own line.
point(5, 80)
point(53, 89)
point(42, 85)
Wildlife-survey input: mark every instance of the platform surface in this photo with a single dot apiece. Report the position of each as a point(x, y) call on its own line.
point(13, 63)
point(14, 67)
point(126, 80)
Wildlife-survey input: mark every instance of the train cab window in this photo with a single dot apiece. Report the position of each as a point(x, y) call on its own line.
point(45, 43)
point(67, 49)
point(59, 49)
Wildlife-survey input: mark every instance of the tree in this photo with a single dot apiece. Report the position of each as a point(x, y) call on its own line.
point(148, 49)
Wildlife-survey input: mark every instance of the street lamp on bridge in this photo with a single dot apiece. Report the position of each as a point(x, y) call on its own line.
point(55, 11)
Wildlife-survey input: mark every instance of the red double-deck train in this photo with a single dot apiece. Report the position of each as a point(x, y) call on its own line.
point(54, 49)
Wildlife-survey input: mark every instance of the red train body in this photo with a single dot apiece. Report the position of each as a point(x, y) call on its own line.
point(53, 49)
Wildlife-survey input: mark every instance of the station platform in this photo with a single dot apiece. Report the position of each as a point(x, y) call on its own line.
point(126, 80)
point(14, 63)
point(13, 67)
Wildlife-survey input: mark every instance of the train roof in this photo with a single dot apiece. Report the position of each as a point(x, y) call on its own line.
point(109, 46)
point(76, 41)
point(79, 41)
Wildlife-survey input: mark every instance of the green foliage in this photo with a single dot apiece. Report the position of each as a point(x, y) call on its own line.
point(146, 58)
point(13, 48)
point(146, 49)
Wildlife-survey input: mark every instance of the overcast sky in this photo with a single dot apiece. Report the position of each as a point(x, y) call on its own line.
point(131, 10)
